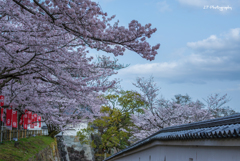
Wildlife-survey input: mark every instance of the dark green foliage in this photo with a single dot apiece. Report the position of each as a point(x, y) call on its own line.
point(116, 127)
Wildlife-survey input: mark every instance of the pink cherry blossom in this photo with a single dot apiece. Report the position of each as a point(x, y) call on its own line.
point(43, 56)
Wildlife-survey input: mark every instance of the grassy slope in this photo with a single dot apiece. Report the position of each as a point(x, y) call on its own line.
point(27, 148)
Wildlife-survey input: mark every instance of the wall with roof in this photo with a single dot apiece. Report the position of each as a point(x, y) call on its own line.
point(184, 153)
point(210, 140)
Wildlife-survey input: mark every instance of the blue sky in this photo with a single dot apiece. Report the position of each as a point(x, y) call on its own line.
point(200, 48)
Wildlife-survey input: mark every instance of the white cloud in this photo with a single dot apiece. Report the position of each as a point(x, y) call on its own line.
point(214, 58)
point(199, 60)
point(196, 3)
point(211, 42)
point(163, 6)
point(234, 34)
point(191, 69)
point(202, 3)
point(164, 68)
point(228, 40)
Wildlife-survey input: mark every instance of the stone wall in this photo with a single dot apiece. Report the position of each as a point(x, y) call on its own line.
point(76, 150)
point(75, 155)
point(62, 149)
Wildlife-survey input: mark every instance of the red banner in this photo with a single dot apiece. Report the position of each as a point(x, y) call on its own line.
point(25, 121)
point(29, 117)
point(9, 117)
point(1, 100)
point(21, 120)
point(25, 126)
point(39, 119)
point(35, 119)
point(29, 114)
point(29, 121)
point(14, 119)
point(31, 125)
point(2, 114)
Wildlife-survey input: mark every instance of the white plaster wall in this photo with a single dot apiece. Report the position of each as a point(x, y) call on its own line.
point(74, 129)
point(154, 152)
point(180, 153)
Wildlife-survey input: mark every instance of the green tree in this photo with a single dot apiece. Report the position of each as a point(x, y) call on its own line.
point(116, 127)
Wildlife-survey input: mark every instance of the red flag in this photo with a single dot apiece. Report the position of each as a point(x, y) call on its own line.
point(29, 117)
point(25, 121)
point(26, 111)
point(2, 114)
point(14, 119)
point(1, 100)
point(29, 121)
point(9, 117)
point(39, 119)
point(35, 119)
point(25, 126)
point(32, 124)
point(21, 120)
point(29, 114)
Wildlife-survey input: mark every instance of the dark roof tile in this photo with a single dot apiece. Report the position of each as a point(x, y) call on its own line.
point(225, 127)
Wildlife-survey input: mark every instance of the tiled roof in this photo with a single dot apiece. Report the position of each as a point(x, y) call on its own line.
point(225, 127)
point(225, 131)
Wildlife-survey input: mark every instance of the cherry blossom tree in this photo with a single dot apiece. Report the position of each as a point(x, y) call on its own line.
point(43, 55)
point(160, 113)
point(35, 34)
point(216, 103)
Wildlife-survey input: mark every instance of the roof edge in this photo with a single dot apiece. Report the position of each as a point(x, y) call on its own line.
point(233, 119)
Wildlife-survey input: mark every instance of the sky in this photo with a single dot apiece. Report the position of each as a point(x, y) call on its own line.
point(200, 46)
